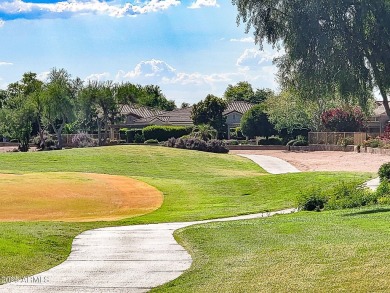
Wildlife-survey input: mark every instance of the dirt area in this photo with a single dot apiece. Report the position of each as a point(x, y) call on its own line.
point(74, 197)
point(327, 161)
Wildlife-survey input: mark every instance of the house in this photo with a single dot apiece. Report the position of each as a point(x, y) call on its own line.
point(377, 122)
point(140, 117)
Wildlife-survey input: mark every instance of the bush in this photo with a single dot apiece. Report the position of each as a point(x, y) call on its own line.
point(49, 141)
point(271, 141)
point(214, 145)
point(341, 196)
point(163, 133)
point(151, 141)
point(314, 200)
point(139, 138)
point(350, 195)
point(384, 172)
point(231, 142)
point(83, 140)
point(299, 141)
point(349, 120)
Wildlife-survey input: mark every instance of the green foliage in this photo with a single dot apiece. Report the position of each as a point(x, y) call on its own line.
point(151, 141)
point(333, 48)
point(255, 123)
point(312, 200)
point(384, 172)
point(271, 141)
point(163, 133)
point(210, 111)
point(236, 133)
point(139, 138)
point(154, 98)
point(204, 132)
point(243, 91)
point(341, 196)
point(300, 140)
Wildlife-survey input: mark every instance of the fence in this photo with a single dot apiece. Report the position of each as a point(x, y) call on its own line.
point(337, 138)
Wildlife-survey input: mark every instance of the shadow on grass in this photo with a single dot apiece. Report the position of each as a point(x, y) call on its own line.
point(369, 212)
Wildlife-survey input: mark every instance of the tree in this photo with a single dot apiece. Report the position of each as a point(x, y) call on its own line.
point(210, 112)
point(243, 91)
point(255, 122)
point(332, 47)
point(97, 102)
point(153, 97)
point(185, 105)
point(59, 95)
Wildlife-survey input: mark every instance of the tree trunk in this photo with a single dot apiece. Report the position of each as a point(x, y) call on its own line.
point(59, 134)
point(41, 136)
point(99, 125)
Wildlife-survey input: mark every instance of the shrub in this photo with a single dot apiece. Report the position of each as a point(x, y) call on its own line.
point(271, 141)
point(83, 140)
point(299, 141)
point(349, 120)
point(49, 141)
point(314, 200)
point(341, 196)
point(349, 195)
point(231, 142)
point(384, 172)
point(151, 141)
point(163, 133)
point(139, 138)
point(214, 145)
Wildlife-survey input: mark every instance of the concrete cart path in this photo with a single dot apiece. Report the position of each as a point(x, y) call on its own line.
point(271, 164)
point(129, 258)
point(119, 259)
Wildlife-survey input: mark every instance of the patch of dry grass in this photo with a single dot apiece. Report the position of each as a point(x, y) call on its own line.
point(74, 197)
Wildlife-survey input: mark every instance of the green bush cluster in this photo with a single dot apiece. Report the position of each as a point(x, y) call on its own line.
point(271, 141)
point(151, 141)
point(384, 172)
point(128, 135)
point(341, 196)
point(163, 133)
point(300, 140)
point(212, 146)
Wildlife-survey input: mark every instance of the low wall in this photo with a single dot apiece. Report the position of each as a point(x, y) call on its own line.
point(310, 148)
point(377, 151)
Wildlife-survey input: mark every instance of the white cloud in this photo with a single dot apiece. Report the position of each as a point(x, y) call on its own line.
point(203, 3)
point(151, 69)
point(43, 76)
point(19, 9)
point(243, 40)
point(2, 63)
point(98, 76)
point(252, 58)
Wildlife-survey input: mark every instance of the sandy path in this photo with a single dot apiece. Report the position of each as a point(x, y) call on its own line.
point(326, 161)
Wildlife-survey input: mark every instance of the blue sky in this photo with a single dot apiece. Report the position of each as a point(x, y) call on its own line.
point(189, 48)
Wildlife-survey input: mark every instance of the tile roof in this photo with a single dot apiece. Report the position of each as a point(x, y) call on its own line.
point(140, 111)
point(238, 106)
point(180, 117)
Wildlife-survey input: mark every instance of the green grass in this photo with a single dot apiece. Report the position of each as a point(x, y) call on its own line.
point(195, 185)
point(339, 251)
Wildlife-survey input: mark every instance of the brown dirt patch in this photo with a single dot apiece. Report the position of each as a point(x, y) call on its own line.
point(74, 197)
point(327, 161)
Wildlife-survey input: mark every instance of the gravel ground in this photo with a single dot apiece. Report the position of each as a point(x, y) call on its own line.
point(326, 161)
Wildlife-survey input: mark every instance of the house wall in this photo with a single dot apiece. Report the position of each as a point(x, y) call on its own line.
point(233, 118)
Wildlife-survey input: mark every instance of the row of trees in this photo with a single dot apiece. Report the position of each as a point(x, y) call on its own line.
point(32, 106)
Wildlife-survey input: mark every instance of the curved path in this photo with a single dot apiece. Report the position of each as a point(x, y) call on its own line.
point(126, 259)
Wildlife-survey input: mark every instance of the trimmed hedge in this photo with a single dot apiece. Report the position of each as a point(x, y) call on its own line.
point(129, 134)
point(163, 133)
